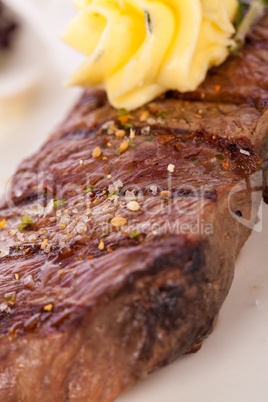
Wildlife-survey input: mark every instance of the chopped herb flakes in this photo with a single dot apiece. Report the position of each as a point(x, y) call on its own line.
point(134, 234)
point(58, 203)
point(162, 114)
point(114, 193)
point(89, 189)
point(132, 144)
point(133, 206)
point(150, 139)
point(123, 112)
point(25, 221)
point(195, 161)
point(171, 168)
point(220, 157)
point(127, 126)
point(148, 22)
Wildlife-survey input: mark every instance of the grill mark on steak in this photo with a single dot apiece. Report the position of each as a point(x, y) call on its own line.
point(141, 302)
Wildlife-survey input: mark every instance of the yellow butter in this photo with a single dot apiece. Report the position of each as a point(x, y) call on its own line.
point(139, 49)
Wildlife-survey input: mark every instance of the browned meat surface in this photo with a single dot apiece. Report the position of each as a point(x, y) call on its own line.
point(86, 301)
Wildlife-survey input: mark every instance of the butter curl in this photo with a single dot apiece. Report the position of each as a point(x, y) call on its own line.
point(138, 49)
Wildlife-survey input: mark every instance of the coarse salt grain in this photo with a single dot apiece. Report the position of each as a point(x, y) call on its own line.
point(114, 198)
point(4, 308)
point(133, 206)
point(146, 130)
point(49, 208)
point(132, 134)
point(130, 195)
point(153, 189)
point(47, 248)
point(171, 168)
point(108, 124)
point(4, 252)
point(244, 152)
point(32, 238)
point(81, 228)
point(151, 120)
point(29, 282)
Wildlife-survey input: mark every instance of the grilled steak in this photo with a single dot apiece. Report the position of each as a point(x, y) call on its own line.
point(117, 251)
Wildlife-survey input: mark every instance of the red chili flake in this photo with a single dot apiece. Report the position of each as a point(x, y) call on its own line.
point(177, 147)
point(225, 165)
point(105, 141)
point(125, 118)
point(153, 109)
point(48, 188)
point(217, 88)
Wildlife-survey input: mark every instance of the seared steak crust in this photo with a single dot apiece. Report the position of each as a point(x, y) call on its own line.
point(83, 299)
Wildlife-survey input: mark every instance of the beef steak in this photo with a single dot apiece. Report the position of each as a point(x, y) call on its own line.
point(119, 236)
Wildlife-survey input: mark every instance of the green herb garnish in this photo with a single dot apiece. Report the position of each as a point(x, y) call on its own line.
point(123, 112)
point(58, 203)
point(150, 139)
point(127, 126)
point(132, 144)
point(134, 234)
point(220, 157)
point(114, 193)
point(25, 221)
point(240, 12)
point(89, 189)
point(162, 114)
point(148, 22)
point(195, 161)
point(256, 8)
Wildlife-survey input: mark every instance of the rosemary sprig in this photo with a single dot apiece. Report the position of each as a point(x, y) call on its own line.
point(256, 8)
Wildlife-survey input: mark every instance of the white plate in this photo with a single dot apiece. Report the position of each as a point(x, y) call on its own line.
point(232, 365)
